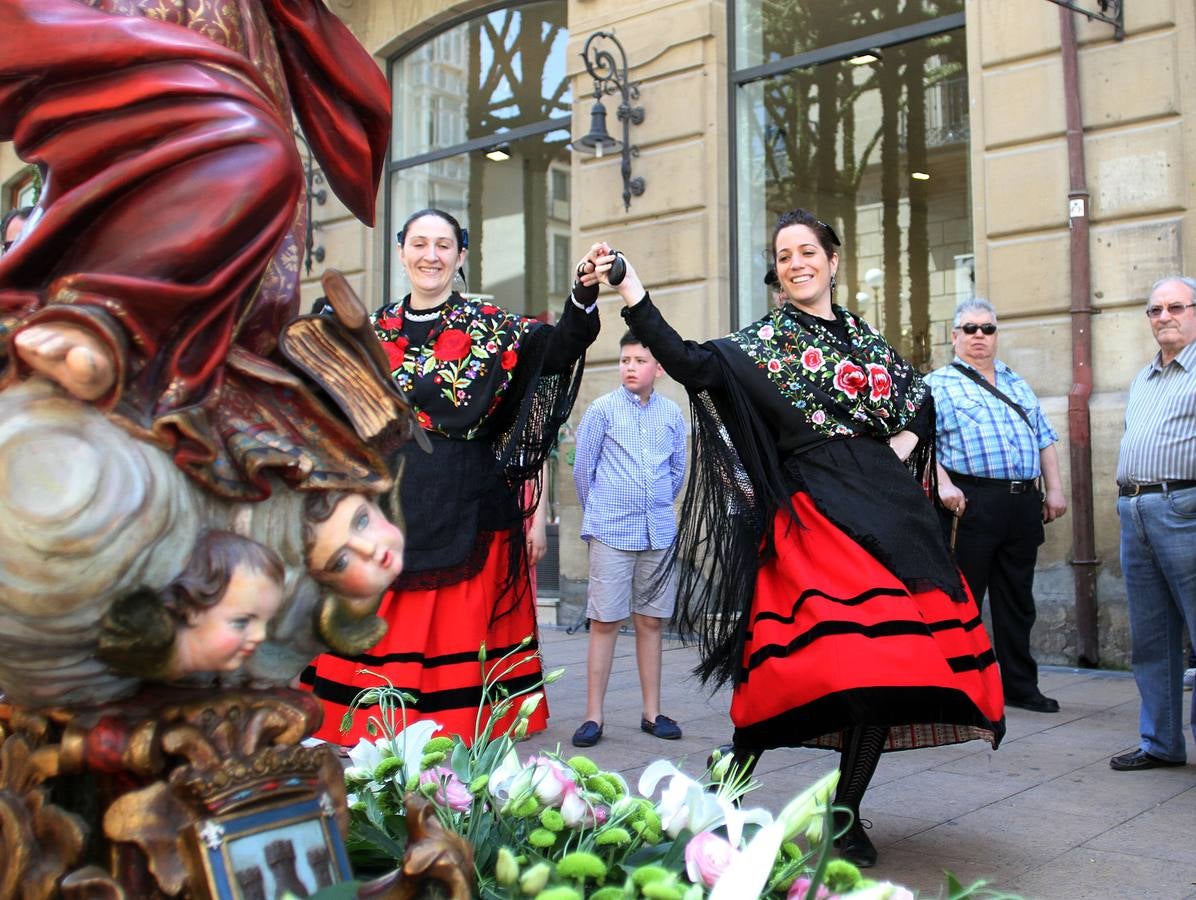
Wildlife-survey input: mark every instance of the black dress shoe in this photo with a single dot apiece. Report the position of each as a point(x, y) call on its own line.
point(1140, 759)
point(855, 847)
point(1036, 703)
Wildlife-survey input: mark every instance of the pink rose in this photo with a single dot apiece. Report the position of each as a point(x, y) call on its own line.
point(812, 359)
point(880, 380)
point(800, 890)
point(774, 365)
point(819, 417)
point(707, 857)
point(850, 378)
point(765, 333)
point(450, 791)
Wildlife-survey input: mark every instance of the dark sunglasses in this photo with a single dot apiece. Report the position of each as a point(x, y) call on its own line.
point(972, 328)
point(1175, 309)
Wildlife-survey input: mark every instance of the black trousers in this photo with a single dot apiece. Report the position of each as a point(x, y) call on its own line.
point(996, 547)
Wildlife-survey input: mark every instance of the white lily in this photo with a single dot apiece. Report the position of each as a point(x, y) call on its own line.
point(409, 744)
point(503, 776)
point(748, 873)
point(365, 757)
point(686, 803)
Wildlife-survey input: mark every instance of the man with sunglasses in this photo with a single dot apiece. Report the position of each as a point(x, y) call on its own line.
point(994, 443)
point(1156, 486)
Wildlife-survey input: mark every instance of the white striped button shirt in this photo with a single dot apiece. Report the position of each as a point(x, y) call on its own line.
point(1159, 443)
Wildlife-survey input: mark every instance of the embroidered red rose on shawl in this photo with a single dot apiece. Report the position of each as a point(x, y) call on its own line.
point(394, 352)
point(489, 309)
point(509, 359)
point(880, 380)
point(389, 323)
point(425, 420)
point(812, 359)
point(850, 378)
point(774, 365)
point(451, 346)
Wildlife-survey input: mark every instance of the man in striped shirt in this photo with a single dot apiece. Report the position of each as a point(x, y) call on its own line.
point(629, 467)
point(994, 441)
point(1156, 479)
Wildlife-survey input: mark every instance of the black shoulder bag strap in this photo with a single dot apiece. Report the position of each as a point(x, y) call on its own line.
point(996, 392)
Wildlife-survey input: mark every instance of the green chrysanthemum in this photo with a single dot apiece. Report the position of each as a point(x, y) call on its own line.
point(387, 767)
point(646, 875)
point(434, 758)
point(608, 893)
point(479, 784)
point(604, 786)
point(663, 890)
point(552, 820)
point(440, 744)
point(542, 838)
point(613, 837)
point(841, 876)
point(581, 866)
point(559, 893)
point(791, 850)
point(526, 808)
point(582, 765)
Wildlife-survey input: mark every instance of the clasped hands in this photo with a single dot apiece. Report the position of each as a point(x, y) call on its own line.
point(595, 268)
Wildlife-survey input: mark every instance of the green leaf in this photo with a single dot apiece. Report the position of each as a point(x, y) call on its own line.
point(380, 839)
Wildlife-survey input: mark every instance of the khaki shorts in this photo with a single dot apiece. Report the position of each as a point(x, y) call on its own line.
point(620, 582)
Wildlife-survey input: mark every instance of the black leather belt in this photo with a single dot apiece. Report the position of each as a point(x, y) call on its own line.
point(1004, 484)
point(1133, 489)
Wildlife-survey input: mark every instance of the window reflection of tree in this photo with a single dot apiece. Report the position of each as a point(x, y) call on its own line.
point(815, 157)
point(508, 73)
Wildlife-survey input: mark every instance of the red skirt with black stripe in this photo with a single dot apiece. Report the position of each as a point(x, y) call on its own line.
point(431, 651)
point(836, 640)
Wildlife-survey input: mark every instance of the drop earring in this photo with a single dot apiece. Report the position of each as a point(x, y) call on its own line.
point(832, 284)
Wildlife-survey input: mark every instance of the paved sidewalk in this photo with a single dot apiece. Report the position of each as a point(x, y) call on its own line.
point(1044, 816)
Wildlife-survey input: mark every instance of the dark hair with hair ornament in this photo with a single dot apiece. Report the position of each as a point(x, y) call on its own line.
point(825, 234)
point(461, 234)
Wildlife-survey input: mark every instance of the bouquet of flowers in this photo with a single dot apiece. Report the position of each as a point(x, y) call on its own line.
point(556, 828)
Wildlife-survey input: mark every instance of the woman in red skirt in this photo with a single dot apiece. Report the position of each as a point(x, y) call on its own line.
point(491, 389)
point(811, 562)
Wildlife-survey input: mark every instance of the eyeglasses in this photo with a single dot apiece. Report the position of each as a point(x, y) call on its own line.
point(1175, 309)
point(972, 328)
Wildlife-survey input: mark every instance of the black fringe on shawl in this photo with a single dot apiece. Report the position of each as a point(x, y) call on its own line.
point(527, 429)
point(735, 488)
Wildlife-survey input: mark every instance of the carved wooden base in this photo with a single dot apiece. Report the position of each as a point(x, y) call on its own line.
point(180, 793)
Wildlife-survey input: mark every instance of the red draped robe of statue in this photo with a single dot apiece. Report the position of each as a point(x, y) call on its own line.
point(168, 222)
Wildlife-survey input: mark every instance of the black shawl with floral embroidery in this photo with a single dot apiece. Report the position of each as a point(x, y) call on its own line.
point(789, 403)
point(491, 389)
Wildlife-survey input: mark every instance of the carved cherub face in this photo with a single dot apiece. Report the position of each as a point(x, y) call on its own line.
point(357, 551)
point(222, 637)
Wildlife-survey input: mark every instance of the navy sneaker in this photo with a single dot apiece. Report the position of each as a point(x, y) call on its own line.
point(663, 728)
point(587, 735)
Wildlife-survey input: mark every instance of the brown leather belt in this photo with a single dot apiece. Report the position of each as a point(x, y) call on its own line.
point(1133, 489)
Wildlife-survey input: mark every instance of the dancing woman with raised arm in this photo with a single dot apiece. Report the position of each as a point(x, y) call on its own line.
point(491, 389)
point(812, 566)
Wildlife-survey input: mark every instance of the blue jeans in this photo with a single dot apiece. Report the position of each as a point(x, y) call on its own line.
point(1158, 559)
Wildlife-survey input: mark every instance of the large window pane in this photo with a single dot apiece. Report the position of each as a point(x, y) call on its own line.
point(517, 213)
point(491, 74)
point(768, 30)
point(852, 143)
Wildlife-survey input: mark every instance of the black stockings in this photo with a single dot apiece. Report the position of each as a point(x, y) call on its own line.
point(862, 746)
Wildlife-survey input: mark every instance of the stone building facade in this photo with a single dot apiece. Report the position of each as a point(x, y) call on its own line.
point(931, 133)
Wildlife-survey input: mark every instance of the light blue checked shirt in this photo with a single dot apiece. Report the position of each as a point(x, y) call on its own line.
point(628, 470)
point(978, 434)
